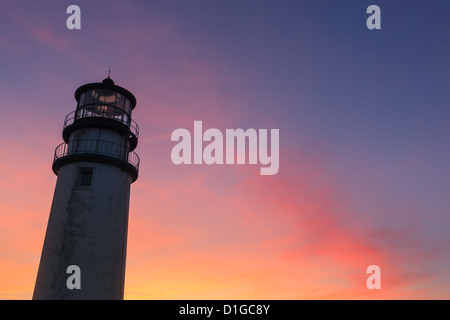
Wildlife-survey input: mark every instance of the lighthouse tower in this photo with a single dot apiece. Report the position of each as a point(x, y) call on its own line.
point(84, 250)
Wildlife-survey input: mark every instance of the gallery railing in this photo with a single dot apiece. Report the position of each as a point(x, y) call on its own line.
point(97, 147)
point(102, 111)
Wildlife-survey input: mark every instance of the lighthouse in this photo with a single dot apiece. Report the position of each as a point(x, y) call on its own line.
point(84, 251)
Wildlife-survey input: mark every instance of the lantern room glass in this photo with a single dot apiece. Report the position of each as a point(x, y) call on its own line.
point(102, 98)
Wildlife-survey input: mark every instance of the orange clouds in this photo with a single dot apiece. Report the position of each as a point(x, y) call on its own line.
point(229, 233)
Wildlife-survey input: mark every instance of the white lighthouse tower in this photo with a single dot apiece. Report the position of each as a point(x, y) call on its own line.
point(88, 222)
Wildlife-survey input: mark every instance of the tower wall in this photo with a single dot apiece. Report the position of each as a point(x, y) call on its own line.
point(87, 227)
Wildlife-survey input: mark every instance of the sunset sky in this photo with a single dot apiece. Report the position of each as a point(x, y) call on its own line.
point(364, 121)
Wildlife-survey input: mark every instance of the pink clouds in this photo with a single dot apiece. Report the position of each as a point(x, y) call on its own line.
point(31, 24)
point(281, 237)
point(25, 197)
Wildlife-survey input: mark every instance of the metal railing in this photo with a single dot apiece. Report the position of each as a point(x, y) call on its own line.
point(97, 147)
point(102, 111)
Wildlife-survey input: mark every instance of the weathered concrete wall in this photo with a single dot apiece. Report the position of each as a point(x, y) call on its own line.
point(87, 227)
